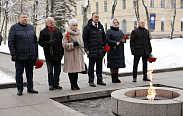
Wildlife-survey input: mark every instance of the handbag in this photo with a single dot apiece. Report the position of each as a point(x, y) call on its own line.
point(85, 71)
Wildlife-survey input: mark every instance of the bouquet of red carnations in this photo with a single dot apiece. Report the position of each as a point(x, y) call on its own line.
point(151, 58)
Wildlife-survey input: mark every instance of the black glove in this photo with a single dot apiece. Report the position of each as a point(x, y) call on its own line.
point(51, 42)
point(13, 58)
point(76, 44)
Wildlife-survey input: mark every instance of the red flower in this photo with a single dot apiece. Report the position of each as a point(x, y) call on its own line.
point(67, 36)
point(126, 36)
point(48, 28)
point(54, 29)
point(152, 59)
point(107, 48)
point(38, 64)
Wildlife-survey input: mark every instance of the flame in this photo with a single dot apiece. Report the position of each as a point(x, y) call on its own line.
point(151, 92)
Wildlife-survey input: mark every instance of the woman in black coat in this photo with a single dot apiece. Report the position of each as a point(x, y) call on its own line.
point(115, 57)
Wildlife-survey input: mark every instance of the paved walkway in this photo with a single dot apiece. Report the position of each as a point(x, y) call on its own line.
point(44, 104)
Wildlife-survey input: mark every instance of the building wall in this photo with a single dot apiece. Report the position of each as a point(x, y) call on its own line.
point(128, 14)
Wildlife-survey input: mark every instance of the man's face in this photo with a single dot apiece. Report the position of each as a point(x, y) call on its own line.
point(95, 18)
point(50, 23)
point(23, 19)
point(142, 23)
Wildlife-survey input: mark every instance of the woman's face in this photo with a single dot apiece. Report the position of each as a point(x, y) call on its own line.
point(115, 23)
point(74, 27)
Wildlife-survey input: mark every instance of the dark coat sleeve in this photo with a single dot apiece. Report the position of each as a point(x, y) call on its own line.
point(85, 37)
point(36, 45)
point(104, 37)
point(42, 41)
point(132, 42)
point(62, 49)
point(149, 43)
point(108, 39)
point(11, 40)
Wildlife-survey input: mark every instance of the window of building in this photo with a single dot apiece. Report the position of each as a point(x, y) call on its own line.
point(97, 7)
point(135, 24)
point(81, 9)
point(105, 26)
point(162, 26)
point(105, 6)
point(124, 4)
point(172, 4)
point(163, 3)
point(76, 10)
point(181, 25)
point(124, 26)
point(151, 3)
point(89, 9)
point(181, 3)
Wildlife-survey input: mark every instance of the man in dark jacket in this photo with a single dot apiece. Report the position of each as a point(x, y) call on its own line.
point(140, 47)
point(51, 40)
point(23, 47)
point(94, 42)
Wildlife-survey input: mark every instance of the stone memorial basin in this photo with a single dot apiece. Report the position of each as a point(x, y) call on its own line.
point(133, 102)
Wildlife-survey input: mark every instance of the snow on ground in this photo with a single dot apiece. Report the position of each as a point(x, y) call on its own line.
point(4, 78)
point(168, 53)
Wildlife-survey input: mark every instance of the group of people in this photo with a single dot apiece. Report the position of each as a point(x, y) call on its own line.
point(72, 45)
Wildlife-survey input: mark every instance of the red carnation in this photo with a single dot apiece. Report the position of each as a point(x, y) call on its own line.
point(38, 64)
point(67, 37)
point(107, 48)
point(151, 58)
point(126, 36)
point(48, 28)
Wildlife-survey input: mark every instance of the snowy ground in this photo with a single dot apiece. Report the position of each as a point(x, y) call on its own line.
point(168, 53)
point(4, 78)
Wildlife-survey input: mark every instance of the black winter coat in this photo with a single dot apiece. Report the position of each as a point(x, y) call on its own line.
point(22, 42)
point(140, 42)
point(94, 40)
point(115, 58)
point(58, 50)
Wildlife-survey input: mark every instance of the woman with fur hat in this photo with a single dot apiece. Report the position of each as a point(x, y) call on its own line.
point(73, 56)
point(115, 57)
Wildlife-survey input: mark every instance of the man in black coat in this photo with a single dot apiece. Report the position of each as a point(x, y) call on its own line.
point(51, 40)
point(23, 47)
point(140, 47)
point(94, 42)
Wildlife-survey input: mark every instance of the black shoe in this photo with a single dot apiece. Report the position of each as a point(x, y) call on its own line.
point(77, 88)
point(101, 83)
point(51, 87)
point(134, 80)
point(117, 79)
point(19, 93)
point(58, 87)
point(73, 88)
point(146, 79)
point(92, 84)
point(32, 91)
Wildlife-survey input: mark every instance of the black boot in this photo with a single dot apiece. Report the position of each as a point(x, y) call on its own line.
point(113, 78)
point(72, 82)
point(76, 83)
point(117, 79)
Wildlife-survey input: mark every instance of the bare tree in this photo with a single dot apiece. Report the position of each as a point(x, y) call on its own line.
point(114, 3)
point(21, 5)
point(35, 14)
point(147, 15)
point(136, 7)
point(173, 21)
point(85, 10)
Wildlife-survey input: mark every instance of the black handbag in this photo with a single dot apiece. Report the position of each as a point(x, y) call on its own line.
point(85, 71)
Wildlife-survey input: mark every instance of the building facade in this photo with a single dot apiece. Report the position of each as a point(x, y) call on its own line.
point(125, 13)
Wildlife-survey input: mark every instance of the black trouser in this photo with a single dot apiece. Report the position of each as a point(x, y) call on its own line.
point(92, 62)
point(135, 65)
point(53, 78)
point(73, 77)
point(28, 65)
